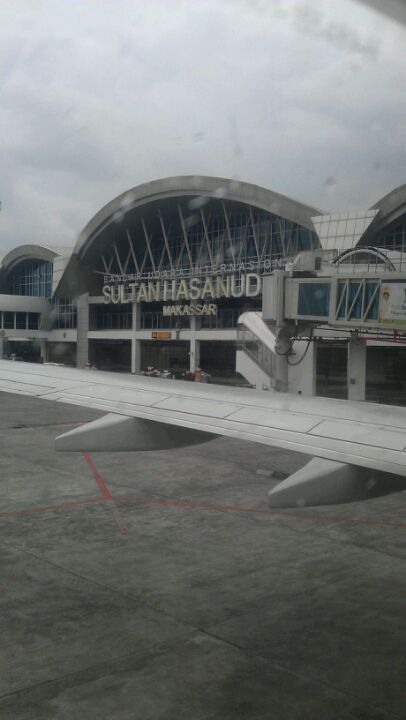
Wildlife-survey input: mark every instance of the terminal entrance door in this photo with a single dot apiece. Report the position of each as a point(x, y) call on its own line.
point(26, 350)
point(112, 355)
point(218, 358)
point(173, 355)
point(62, 352)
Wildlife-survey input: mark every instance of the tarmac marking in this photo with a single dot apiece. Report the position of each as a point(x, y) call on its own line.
point(93, 469)
point(190, 505)
point(106, 493)
point(113, 500)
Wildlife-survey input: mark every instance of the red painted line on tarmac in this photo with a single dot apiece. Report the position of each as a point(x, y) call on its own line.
point(106, 494)
point(119, 521)
point(188, 504)
point(102, 485)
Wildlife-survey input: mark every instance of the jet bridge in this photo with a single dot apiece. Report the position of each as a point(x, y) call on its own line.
point(301, 308)
point(361, 302)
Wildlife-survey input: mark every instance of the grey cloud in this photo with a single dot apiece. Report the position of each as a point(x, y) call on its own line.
point(344, 36)
point(95, 101)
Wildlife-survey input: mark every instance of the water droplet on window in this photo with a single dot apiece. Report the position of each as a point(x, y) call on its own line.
point(118, 216)
point(198, 202)
point(235, 185)
point(127, 200)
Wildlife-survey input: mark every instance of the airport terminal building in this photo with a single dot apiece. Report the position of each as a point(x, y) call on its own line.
point(160, 275)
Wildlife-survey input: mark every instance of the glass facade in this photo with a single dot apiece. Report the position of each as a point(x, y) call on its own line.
point(8, 320)
point(357, 300)
point(189, 239)
point(33, 321)
point(393, 238)
point(32, 277)
point(64, 314)
point(225, 318)
point(20, 320)
point(110, 317)
point(153, 319)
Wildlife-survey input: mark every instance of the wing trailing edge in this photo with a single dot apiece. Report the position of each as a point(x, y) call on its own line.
point(320, 482)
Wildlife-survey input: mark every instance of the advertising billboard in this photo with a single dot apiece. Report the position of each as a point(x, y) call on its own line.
point(392, 303)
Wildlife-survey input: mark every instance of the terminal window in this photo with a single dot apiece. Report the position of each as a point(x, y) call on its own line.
point(20, 320)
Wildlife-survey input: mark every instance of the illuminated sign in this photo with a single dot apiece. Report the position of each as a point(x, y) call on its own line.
point(161, 335)
point(199, 309)
point(196, 288)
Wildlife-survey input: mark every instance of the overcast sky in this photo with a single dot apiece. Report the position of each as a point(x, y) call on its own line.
point(97, 96)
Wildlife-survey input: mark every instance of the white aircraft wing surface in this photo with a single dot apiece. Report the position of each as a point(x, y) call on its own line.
point(353, 441)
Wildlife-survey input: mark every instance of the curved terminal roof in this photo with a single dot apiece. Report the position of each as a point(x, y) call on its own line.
point(391, 207)
point(194, 186)
point(27, 252)
point(71, 276)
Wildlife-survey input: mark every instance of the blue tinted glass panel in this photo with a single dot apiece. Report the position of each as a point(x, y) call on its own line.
point(354, 308)
point(21, 320)
point(111, 317)
point(64, 314)
point(32, 277)
point(33, 321)
point(314, 299)
point(205, 233)
point(369, 291)
point(341, 300)
point(8, 320)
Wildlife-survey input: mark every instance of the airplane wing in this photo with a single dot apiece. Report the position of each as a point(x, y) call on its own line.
point(351, 443)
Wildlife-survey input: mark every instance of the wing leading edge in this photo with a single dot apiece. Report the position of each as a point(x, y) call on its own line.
point(351, 443)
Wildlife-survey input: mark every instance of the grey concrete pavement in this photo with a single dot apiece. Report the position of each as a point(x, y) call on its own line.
point(173, 601)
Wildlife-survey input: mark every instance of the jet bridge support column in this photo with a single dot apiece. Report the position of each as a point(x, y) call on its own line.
point(281, 373)
point(283, 347)
point(302, 369)
point(273, 313)
point(356, 369)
